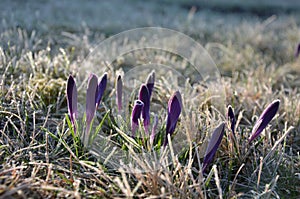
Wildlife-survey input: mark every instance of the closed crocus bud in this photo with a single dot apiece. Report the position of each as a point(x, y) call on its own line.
point(145, 98)
point(297, 52)
point(72, 100)
point(150, 82)
point(91, 101)
point(119, 90)
point(174, 110)
point(101, 88)
point(213, 145)
point(231, 119)
point(264, 119)
point(136, 115)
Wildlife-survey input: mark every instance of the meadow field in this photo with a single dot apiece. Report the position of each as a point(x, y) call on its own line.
point(255, 46)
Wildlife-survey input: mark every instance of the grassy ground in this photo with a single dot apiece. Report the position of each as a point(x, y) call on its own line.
point(255, 54)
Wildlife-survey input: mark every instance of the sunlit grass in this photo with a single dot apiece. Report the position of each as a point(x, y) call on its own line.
point(41, 156)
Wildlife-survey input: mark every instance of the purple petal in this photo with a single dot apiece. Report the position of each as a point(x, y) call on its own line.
point(264, 119)
point(119, 92)
point(150, 83)
point(231, 119)
point(174, 110)
point(213, 145)
point(72, 99)
point(91, 100)
point(297, 53)
point(101, 89)
point(145, 98)
point(136, 115)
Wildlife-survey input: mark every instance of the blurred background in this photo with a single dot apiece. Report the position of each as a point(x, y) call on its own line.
point(110, 17)
point(267, 29)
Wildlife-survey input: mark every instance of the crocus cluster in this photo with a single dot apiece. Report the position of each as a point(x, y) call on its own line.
point(95, 91)
point(141, 112)
point(141, 108)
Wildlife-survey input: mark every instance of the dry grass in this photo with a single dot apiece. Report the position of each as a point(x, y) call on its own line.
point(40, 159)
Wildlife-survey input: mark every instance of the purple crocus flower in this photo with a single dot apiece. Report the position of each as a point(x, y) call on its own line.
point(91, 101)
point(231, 119)
point(136, 115)
point(264, 119)
point(213, 145)
point(150, 82)
point(145, 98)
point(174, 110)
point(101, 88)
point(119, 93)
point(297, 52)
point(72, 100)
